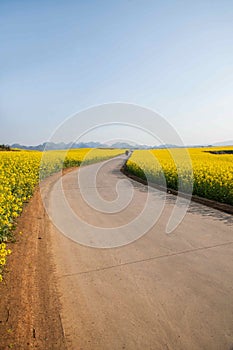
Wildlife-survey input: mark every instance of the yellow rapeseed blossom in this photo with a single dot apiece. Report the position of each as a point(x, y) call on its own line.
point(212, 173)
point(2, 261)
point(3, 254)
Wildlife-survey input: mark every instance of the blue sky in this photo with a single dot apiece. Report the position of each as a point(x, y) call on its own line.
point(60, 57)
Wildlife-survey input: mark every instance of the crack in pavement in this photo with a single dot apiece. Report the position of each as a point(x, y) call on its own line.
point(147, 259)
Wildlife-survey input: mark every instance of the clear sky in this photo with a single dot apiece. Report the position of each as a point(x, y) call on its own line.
point(59, 57)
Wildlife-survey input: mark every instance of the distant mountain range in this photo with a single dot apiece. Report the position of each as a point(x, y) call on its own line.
point(225, 143)
point(64, 146)
point(59, 146)
point(124, 145)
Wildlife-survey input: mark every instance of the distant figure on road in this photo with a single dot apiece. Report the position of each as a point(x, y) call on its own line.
point(126, 152)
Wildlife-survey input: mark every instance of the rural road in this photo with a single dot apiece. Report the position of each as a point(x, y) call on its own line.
point(159, 292)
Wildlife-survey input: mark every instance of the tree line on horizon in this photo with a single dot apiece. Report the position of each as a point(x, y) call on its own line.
point(4, 147)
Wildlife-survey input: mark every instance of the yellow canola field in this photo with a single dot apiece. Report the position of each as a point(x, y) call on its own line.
point(20, 171)
point(212, 173)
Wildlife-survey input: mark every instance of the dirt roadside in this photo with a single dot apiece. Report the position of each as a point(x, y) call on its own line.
point(29, 308)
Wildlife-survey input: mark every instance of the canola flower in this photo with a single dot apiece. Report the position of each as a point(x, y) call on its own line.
point(3, 254)
point(212, 173)
point(20, 172)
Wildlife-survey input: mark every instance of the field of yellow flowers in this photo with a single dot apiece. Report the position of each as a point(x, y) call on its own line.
point(211, 174)
point(20, 172)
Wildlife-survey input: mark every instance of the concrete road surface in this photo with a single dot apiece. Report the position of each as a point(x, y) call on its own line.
point(159, 292)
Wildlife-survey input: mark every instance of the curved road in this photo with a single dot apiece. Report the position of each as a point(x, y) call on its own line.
point(159, 292)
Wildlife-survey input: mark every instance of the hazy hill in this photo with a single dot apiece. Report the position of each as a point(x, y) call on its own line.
point(224, 143)
point(59, 146)
point(62, 145)
point(124, 145)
